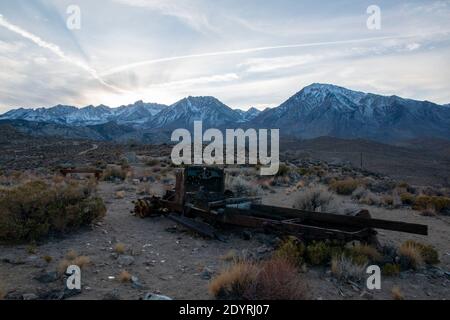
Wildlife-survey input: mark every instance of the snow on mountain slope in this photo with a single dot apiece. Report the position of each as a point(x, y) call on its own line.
point(327, 110)
point(183, 113)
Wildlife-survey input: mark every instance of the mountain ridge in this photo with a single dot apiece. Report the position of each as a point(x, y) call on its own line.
point(315, 111)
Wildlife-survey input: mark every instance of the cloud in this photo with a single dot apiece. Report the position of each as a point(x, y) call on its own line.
point(249, 50)
point(198, 81)
point(55, 50)
point(186, 11)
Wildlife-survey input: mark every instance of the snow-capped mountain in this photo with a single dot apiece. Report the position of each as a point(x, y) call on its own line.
point(248, 115)
point(328, 110)
point(133, 114)
point(317, 110)
point(182, 114)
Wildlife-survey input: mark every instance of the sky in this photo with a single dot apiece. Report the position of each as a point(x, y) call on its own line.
point(246, 53)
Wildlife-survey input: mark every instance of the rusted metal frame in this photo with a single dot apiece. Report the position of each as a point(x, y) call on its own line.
point(346, 220)
point(97, 173)
point(304, 231)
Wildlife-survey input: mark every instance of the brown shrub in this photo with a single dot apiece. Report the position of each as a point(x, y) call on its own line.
point(71, 255)
point(427, 253)
point(396, 293)
point(345, 187)
point(367, 251)
point(234, 282)
point(37, 209)
point(410, 255)
point(113, 173)
point(278, 279)
point(275, 279)
point(438, 203)
point(82, 261)
point(124, 276)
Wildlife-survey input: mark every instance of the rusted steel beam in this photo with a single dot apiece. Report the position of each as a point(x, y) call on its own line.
point(98, 173)
point(201, 228)
point(343, 220)
point(304, 231)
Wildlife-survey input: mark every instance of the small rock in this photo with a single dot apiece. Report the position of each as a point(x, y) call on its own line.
point(125, 260)
point(29, 296)
point(113, 295)
point(36, 261)
point(263, 249)
point(206, 274)
point(154, 296)
point(136, 283)
point(47, 277)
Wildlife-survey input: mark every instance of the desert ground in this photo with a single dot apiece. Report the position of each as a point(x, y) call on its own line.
point(157, 256)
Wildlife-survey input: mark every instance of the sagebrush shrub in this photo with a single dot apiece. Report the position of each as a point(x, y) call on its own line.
point(315, 198)
point(37, 209)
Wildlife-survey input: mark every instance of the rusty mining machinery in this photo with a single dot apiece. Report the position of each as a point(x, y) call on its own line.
point(201, 203)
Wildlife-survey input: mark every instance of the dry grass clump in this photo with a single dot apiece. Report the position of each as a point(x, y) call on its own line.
point(370, 252)
point(275, 279)
point(345, 187)
point(418, 253)
point(410, 255)
point(397, 293)
point(315, 198)
point(82, 261)
point(234, 282)
point(73, 259)
point(120, 248)
point(344, 267)
point(438, 203)
point(37, 209)
point(124, 277)
point(71, 255)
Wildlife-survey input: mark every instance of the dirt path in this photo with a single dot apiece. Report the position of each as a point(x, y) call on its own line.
point(94, 147)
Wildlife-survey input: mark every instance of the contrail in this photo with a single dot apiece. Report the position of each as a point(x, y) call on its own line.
point(57, 51)
point(249, 50)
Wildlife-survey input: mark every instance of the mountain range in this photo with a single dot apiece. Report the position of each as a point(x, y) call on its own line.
point(317, 110)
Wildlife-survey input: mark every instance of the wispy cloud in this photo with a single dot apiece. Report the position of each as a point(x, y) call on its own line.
point(250, 50)
point(55, 50)
point(186, 11)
